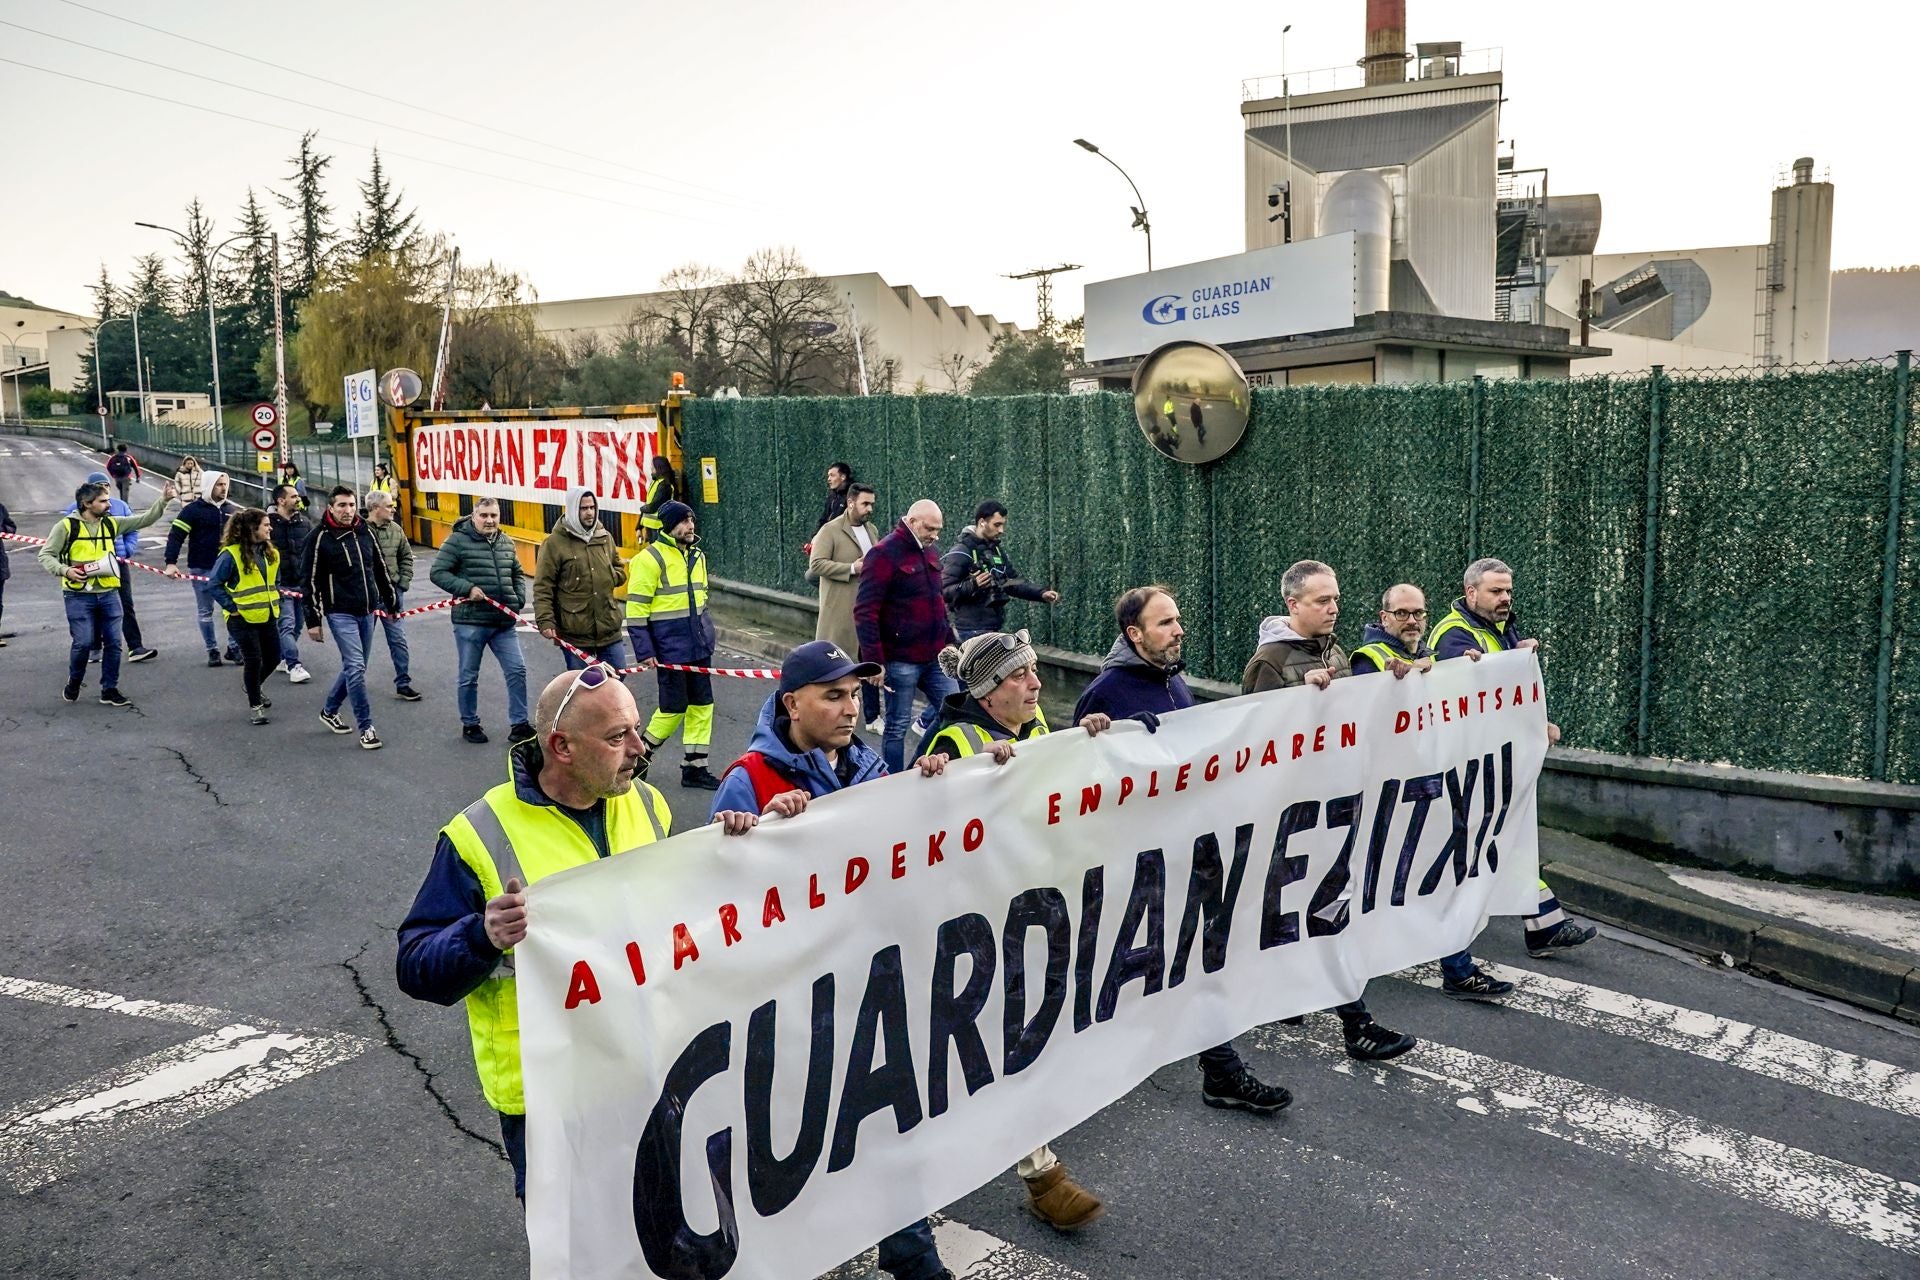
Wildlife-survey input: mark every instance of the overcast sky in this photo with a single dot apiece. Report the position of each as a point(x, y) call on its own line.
point(929, 142)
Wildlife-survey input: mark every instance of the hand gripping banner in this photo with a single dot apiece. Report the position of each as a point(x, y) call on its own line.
point(754, 1056)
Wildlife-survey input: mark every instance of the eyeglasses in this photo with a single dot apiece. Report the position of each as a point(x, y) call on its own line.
point(589, 678)
point(1407, 615)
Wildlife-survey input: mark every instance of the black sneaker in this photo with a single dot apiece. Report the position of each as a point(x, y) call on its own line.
point(1241, 1091)
point(259, 715)
point(1568, 933)
point(266, 702)
point(113, 698)
point(72, 692)
point(369, 740)
point(233, 656)
point(213, 657)
point(332, 720)
point(521, 732)
point(143, 654)
point(1371, 1042)
point(407, 693)
point(1477, 986)
point(697, 777)
point(473, 733)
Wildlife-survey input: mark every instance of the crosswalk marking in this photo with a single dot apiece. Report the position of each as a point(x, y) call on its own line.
point(1806, 1185)
point(970, 1254)
point(47, 1138)
point(1704, 1035)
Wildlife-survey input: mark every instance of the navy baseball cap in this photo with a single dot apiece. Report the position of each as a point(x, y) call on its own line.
point(821, 662)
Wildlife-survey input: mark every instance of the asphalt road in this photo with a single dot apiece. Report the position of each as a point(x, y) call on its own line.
point(1636, 1113)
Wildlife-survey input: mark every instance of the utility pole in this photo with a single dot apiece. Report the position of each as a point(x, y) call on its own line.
point(1044, 290)
point(139, 383)
point(279, 358)
point(437, 398)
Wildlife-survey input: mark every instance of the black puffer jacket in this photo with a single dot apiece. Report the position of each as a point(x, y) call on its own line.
point(344, 572)
point(469, 559)
point(972, 606)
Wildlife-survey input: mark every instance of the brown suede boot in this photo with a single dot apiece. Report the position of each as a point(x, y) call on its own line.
point(1060, 1202)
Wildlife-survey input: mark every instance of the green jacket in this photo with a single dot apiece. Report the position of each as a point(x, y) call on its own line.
point(1285, 657)
point(53, 554)
point(396, 551)
point(574, 579)
point(468, 560)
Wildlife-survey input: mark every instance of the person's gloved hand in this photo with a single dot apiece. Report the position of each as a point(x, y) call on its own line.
point(1148, 719)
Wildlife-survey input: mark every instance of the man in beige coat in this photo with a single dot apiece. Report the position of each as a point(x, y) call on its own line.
point(838, 550)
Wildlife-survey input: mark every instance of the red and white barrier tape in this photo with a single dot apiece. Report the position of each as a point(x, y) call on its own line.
point(738, 673)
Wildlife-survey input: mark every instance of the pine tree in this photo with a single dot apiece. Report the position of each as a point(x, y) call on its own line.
point(106, 298)
point(194, 281)
point(250, 282)
point(381, 229)
point(313, 235)
point(151, 288)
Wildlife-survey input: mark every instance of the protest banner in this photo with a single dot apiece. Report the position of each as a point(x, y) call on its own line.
point(754, 1056)
point(538, 459)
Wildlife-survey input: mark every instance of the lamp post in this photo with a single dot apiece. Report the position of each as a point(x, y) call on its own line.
point(100, 380)
point(1139, 210)
point(213, 330)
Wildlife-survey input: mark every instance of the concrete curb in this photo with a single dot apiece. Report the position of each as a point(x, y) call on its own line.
point(1800, 959)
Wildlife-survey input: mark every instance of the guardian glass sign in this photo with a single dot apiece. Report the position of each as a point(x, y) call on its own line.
point(1302, 287)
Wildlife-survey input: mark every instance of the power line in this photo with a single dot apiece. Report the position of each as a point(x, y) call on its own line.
point(314, 106)
point(398, 102)
point(348, 142)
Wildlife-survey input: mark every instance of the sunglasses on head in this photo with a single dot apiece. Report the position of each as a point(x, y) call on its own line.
point(1009, 641)
point(591, 677)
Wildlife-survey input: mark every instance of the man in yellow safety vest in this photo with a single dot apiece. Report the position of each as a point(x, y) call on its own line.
point(572, 796)
point(668, 621)
point(80, 552)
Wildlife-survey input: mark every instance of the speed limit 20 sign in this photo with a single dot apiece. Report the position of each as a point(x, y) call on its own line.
point(265, 415)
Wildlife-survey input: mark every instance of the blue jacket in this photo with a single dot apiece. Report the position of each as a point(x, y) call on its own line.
point(198, 525)
point(127, 544)
point(1456, 642)
point(444, 954)
point(1377, 634)
point(1128, 684)
point(808, 769)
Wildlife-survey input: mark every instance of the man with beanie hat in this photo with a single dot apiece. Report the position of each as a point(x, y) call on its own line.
point(668, 621)
point(198, 527)
point(126, 545)
point(997, 706)
point(803, 748)
point(574, 577)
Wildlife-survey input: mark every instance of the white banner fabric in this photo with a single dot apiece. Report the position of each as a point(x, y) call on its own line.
point(754, 1056)
point(538, 459)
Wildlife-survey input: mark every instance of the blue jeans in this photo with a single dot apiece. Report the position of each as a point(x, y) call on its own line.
point(908, 1254)
point(472, 641)
point(903, 679)
point(203, 603)
point(1458, 965)
point(396, 633)
point(615, 655)
point(291, 619)
point(93, 618)
point(352, 634)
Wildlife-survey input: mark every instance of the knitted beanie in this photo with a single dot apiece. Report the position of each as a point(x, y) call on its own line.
point(984, 661)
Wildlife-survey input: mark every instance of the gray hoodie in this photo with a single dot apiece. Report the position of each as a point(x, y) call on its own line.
point(1284, 657)
point(570, 516)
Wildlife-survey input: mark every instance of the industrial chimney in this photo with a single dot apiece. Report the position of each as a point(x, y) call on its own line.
point(1386, 60)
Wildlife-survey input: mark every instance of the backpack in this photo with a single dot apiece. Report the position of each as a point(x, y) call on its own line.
point(768, 778)
point(120, 466)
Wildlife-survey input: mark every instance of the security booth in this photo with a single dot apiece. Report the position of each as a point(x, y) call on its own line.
point(528, 459)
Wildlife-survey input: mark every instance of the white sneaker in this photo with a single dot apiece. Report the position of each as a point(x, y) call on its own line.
point(297, 674)
point(877, 725)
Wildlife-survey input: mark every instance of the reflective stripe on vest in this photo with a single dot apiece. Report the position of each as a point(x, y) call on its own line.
point(254, 592)
point(499, 838)
point(1485, 641)
point(84, 548)
point(968, 737)
point(1380, 653)
point(670, 599)
point(651, 519)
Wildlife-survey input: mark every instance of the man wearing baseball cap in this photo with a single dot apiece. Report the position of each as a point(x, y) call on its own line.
point(668, 621)
point(805, 747)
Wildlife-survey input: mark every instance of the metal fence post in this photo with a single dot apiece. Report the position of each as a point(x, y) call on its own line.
point(1890, 565)
point(1473, 468)
point(1656, 425)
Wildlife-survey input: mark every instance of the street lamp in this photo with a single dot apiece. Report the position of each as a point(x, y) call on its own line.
point(100, 379)
point(213, 330)
point(1139, 210)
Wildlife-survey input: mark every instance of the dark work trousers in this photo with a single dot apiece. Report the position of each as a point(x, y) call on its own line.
point(259, 644)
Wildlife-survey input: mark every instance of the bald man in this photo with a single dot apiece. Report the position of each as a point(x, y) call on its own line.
point(901, 616)
point(573, 798)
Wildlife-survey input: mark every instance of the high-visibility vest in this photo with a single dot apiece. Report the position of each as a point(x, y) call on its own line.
point(1483, 640)
point(966, 738)
point(500, 837)
point(664, 583)
point(83, 548)
point(659, 489)
point(254, 592)
point(1382, 653)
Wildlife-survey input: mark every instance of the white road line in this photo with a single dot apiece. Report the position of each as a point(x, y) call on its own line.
point(1773, 1054)
point(1891, 922)
point(970, 1254)
point(192, 1015)
point(48, 1138)
point(1801, 1183)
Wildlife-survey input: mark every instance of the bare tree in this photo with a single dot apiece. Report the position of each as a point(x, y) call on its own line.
point(783, 326)
point(958, 368)
point(499, 357)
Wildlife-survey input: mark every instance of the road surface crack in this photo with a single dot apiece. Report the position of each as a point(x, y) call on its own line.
point(429, 1081)
point(197, 776)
